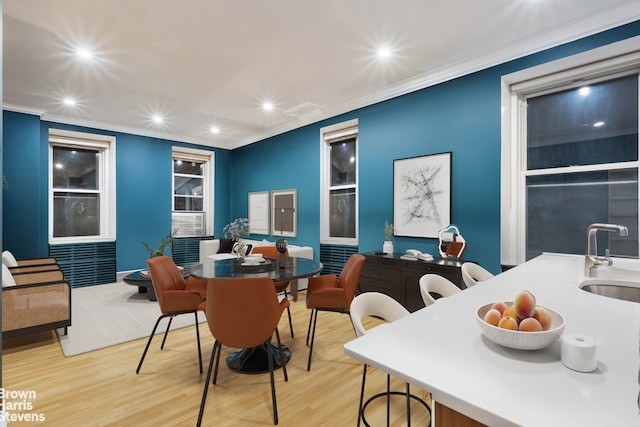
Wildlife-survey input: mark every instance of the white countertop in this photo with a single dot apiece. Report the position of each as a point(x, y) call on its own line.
point(441, 349)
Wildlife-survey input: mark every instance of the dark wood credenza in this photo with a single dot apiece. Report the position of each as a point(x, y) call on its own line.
point(398, 278)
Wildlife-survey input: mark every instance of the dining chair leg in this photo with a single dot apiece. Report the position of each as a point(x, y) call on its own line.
point(198, 338)
point(290, 322)
point(166, 332)
point(289, 314)
point(146, 348)
point(309, 328)
point(284, 364)
point(388, 399)
point(206, 386)
point(273, 384)
point(364, 378)
point(408, 406)
point(313, 335)
point(215, 371)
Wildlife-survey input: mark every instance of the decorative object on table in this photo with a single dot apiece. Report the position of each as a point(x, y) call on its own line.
point(451, 244)
point(387, 247)
point(422, 195)
point(281, 246)
point(283, 217)
point(259, 212)
point(237, 230)
point(521, 324)
point(162, 246)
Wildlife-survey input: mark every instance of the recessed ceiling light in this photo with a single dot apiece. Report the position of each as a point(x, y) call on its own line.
point(384, 53)
point(584, 91)
point(598, 124)
point(214, 130)
point(267, 106)
point(157, 119)
point(69, 101)
point(84, 53)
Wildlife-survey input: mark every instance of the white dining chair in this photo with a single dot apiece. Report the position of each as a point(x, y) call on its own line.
point(473, 273)
point(433, 283)
point(381, 306)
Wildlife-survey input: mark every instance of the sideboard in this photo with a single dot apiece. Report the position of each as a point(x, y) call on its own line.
point(398, 277)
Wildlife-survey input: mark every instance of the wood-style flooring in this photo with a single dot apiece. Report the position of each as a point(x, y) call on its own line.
point(101, 388)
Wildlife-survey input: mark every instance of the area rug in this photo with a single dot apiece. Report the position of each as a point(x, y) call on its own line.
point(106, 315)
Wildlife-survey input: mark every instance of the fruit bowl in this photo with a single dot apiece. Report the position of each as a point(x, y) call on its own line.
point(521, 340)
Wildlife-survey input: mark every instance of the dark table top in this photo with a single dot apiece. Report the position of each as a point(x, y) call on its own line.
point(294, 268)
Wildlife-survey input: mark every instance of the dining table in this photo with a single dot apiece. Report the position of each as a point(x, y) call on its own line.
point(255, 360)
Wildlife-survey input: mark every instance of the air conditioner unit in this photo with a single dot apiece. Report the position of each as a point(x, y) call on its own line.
point(188, 224)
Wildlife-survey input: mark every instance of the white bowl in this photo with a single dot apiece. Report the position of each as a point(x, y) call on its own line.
point(521, 340)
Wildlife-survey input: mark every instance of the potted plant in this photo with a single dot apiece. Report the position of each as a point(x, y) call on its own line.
point(387, 248)
point(162, 246)
point(237, 230)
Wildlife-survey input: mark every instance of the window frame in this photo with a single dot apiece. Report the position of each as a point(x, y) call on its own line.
point(328, 134)
point(106, 145)
point(208, 159)
point(595, 65)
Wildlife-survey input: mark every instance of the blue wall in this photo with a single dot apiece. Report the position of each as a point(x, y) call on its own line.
point(143, 189)
point(461, 116)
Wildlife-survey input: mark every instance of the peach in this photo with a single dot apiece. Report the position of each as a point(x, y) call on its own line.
point(507, 322)
point(500, 306)
point(511, 312)
point(492, 317)
point(543, 316)
point(524, 304)
point(530, 325)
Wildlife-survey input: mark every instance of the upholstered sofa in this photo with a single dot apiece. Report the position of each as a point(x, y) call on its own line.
point(33, 302)
point(211, 249)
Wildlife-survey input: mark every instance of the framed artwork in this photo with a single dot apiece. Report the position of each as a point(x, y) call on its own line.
point(283, 213)
point(422, 195)
point(259, 212)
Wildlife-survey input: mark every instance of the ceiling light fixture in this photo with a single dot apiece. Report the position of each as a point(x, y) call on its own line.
point(384, 53)
point(214, 130)
point(584, 91)
point(157, 119)
point(84, 53)
point(598, 124)
point(267, 106)
point(69, 101)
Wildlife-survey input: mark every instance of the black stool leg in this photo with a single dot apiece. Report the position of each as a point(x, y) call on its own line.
point(313, 335)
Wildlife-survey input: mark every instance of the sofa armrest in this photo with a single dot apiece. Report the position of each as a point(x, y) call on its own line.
point(38, 277)
point(27, 306)
point(208, 247)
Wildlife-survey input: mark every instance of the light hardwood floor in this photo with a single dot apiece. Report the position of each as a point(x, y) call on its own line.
point(101, 388)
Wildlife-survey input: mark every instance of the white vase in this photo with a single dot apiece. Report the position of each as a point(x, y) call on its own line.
point(387, 248)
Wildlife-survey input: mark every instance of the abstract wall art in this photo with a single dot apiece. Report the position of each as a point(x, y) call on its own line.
point(422, 195)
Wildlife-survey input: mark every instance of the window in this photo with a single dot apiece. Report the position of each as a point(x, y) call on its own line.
point(192, 210)
point(81, 187)
point(570, 156)
point(339, 181)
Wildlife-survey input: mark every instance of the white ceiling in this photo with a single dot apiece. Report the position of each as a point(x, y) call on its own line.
point(201, 63)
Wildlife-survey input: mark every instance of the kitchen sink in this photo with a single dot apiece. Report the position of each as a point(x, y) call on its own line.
point(619, 289)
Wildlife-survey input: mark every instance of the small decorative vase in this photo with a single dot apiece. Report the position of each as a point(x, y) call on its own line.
point(387, 248)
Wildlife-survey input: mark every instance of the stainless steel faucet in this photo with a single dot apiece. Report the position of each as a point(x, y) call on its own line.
point(591, 258)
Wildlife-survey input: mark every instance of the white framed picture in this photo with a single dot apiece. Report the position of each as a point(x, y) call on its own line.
point(422, 195)
point(259, 212)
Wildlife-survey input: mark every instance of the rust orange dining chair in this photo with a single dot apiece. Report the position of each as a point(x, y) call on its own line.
point(281, 287)
point(175, 295)
point(243, 313)
point(331, 293)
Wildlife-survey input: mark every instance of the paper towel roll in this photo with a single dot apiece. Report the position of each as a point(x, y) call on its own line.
point(578, 352)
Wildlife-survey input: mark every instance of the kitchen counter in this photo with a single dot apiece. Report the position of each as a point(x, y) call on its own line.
point(440, 349)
